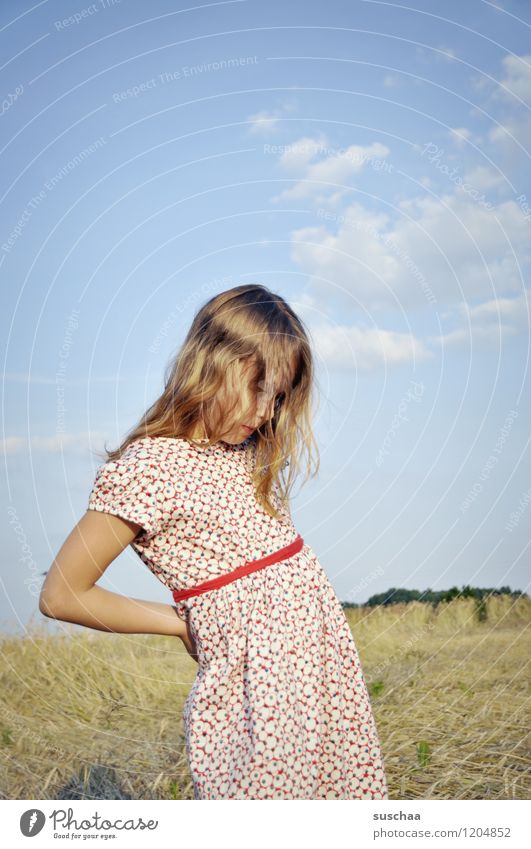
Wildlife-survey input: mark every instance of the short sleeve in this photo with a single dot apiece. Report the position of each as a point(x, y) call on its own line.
point(131, 487)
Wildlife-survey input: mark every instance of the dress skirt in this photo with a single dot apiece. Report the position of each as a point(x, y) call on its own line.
point(279, 708)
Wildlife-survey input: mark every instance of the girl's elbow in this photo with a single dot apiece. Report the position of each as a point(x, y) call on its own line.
point(52, 605)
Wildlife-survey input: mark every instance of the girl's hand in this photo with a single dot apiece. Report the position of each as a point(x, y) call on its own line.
point(188, 641)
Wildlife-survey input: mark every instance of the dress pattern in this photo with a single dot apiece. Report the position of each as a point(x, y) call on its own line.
point(279, 708)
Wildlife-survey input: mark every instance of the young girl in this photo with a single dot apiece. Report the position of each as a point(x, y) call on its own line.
point(279, 708)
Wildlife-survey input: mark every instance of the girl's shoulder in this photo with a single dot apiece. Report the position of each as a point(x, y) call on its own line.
point(145, 447)
point(135, 484)
point(150, 450)
point(144, 463)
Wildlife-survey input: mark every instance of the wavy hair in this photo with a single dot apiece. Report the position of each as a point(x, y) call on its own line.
point(247, 323)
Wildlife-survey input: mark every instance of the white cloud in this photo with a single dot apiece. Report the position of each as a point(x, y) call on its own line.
point(351, 348)
point(512, 93)
point(440, 250)
point(515, 309)
point(465, 248)
point(297, 155)
point(355, 259)
point(512, 134)
point(327, 176)
point(26, 377)
point(268, 121)
point(55, 444)
point(465, 337)
point(460, 135)
point(13, 445)
point(264, 121)
point(429, 55)
point(516, 84)
point(489, 322)
point(447, 54)
point(484, 178)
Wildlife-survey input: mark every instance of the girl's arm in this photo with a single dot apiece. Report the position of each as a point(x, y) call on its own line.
point(69, 592)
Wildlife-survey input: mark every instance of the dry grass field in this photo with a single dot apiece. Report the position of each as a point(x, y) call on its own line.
point(449, 692)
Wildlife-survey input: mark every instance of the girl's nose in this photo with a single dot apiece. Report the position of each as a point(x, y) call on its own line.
point(264, 399)
point(261, 408)
point(263, 405)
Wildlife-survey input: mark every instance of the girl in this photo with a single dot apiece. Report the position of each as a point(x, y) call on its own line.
point(279, 708)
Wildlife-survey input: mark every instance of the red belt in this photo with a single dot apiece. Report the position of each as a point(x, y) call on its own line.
point(249, 566)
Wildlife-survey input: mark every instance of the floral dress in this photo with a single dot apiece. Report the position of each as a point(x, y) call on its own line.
point(279, 708)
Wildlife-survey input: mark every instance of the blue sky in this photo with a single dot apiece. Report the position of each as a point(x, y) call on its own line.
point(367, 160)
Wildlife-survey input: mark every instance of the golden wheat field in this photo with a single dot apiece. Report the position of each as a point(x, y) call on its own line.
point(449, 693)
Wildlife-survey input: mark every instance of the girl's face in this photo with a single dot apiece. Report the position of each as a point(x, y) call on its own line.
point(255, 403)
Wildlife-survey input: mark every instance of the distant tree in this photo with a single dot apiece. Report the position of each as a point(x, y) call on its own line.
point(400, 595)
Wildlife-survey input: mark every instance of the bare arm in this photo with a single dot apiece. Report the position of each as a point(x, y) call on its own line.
point(69, 592)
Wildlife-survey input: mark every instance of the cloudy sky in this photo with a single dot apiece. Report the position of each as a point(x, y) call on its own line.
point(367, 160)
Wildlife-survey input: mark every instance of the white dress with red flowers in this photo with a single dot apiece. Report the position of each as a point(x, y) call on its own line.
point(279, 708)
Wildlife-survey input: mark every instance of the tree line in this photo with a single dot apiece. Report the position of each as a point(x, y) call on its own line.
point(397, 595)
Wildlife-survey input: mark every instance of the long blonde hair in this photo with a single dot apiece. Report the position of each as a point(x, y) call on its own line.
point(250, 323)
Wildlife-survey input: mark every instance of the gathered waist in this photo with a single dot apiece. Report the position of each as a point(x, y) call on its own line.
point(249, 566)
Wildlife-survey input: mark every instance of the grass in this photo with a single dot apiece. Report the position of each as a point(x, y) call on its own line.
point(449, 689)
